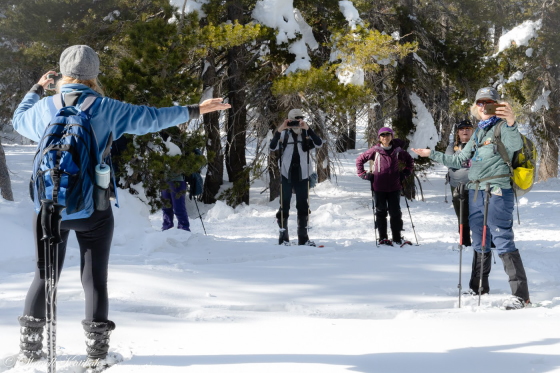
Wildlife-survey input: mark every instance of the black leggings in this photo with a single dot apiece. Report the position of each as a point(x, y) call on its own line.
point(94, 236)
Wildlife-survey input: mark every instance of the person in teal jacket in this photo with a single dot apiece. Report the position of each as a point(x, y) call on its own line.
point(79, 66)
point(488, 167)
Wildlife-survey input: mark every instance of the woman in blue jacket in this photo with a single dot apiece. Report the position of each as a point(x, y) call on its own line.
point(79, 66)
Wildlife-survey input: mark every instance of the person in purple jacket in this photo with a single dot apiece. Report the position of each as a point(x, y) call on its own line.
point(391, 165)
point(79, 66)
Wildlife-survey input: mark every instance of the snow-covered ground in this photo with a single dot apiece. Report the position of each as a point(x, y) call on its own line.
point(234, 301)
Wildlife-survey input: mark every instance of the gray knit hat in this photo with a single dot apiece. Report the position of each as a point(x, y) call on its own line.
point(79, 62)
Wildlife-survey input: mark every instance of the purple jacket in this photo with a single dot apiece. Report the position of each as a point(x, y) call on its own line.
point(388, 165)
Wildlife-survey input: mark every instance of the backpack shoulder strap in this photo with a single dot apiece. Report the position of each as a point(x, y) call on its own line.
point(285, 142)
point(57, 101)
point(500, 147)
point(88, 102)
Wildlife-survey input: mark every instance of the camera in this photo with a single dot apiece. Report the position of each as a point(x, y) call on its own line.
point(491, 108)
point(56, 77)
point(293, 123)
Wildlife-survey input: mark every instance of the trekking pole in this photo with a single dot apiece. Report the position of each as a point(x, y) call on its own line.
point(49, 254)
point(282, 228)
point(374, 220)
point(200, 215)
point(411, 222)
point(488, 195)
point(461, 189)
point(308, 203)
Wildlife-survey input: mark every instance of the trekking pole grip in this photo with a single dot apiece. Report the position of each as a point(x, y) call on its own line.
point(46, 214)
point(55, 223)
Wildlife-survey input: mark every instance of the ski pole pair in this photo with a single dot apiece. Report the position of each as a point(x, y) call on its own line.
point(50, 218)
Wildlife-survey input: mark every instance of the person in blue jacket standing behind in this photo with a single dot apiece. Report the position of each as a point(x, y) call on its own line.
point(79, 66)
point(489, 168)
point(391, 165)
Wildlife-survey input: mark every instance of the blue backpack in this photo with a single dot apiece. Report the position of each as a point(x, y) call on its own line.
point(64, 165)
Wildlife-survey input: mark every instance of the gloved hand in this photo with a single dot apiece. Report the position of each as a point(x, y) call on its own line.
point(403, 175)
point(367, 176)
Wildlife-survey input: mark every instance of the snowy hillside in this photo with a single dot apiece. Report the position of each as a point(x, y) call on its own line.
point(234, 301)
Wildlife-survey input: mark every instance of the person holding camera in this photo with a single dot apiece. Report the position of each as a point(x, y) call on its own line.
point(391, 165)
point(79, 67)
point(489, 171)
point(295, 139)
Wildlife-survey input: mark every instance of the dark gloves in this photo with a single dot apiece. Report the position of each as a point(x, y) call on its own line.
point(367, 176)
point(403, 175)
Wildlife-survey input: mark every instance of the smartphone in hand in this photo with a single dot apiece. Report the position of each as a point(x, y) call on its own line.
point(490, 109)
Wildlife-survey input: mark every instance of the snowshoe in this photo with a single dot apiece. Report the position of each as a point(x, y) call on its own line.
point(515, 303)
point(385, 242)
point(100, 365)
point(401, 242)
point(308, 243)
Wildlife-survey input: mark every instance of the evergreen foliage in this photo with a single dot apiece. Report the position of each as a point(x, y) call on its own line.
point(153, 55)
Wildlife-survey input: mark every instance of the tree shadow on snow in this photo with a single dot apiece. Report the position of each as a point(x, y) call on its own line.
point(503, 358)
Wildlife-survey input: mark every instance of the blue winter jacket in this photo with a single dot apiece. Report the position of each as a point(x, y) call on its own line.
point(33, 115)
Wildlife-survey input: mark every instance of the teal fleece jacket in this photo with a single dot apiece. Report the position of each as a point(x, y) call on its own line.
point(485, 159)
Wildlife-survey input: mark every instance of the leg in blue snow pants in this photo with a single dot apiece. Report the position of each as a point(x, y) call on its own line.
point(173, 199)
point(500, 221)
point(500, 231)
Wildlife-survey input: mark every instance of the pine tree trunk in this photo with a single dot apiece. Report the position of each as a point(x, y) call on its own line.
point(237, 115)
point(215, 173)
point(5, 183)
point(405, 82)
point(342, 134)
point(548, 160)
point(548, 165)
point(352, 131)
point(273, 169)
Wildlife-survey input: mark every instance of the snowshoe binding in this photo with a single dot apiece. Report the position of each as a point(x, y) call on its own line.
point(385, 242)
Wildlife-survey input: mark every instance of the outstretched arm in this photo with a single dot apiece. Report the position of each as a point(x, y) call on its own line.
point(213, 104)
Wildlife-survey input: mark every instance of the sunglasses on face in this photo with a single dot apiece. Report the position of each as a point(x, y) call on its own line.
point(302, 118)
point(483, 103)
point(385, 134)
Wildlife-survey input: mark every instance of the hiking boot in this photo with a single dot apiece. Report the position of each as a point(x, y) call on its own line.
point(516, 273)
point(31, 339)
point(474, 281)
point(385, 241)
point(515, 303)
point(283, 232)
point(302, 228)
point(97, 340)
